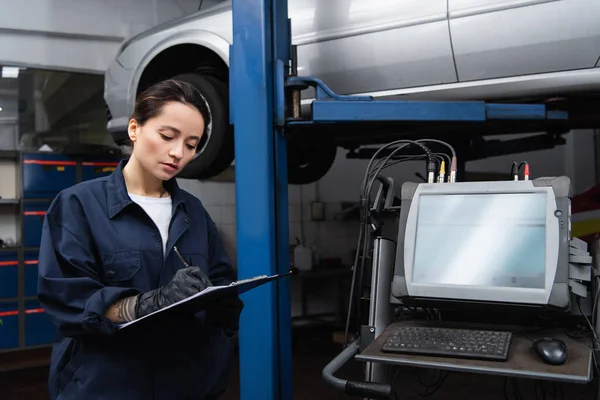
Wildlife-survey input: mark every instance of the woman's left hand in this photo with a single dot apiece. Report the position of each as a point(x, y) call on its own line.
point(225, 313)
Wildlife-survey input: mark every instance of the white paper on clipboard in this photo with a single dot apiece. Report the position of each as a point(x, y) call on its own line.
point(212, 292)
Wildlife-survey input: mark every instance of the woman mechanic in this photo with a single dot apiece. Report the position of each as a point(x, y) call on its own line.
point(120, 247)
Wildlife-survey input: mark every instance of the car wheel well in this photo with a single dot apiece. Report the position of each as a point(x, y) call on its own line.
point(190, 58)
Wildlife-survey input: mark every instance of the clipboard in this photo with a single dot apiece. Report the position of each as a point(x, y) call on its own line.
point(194, 304)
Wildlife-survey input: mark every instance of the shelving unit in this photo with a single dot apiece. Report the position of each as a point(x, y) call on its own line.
point(39, 178)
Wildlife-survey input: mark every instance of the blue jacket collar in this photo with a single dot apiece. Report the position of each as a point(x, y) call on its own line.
point(117, 195)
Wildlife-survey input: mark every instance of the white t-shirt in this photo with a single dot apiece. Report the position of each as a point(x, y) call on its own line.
point(160, 211)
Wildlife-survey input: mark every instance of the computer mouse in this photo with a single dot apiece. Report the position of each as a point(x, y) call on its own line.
point(552, 351)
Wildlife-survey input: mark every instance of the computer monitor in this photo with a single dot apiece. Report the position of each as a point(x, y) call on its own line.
point(493, 242)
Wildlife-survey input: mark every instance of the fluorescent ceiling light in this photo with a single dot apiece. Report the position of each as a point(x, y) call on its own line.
point(0, 108)
point(10, 72)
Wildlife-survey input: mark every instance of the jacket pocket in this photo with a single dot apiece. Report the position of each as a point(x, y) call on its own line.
point(119, 269)
point(197, 260)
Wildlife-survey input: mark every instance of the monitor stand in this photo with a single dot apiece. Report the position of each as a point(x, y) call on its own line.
point(522, 362)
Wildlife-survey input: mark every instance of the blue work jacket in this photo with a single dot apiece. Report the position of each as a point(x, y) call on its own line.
point(98, 246)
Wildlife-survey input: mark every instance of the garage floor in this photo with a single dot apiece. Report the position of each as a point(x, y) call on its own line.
point(313, 348)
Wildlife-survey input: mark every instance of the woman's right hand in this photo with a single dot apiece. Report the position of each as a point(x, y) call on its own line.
point(185, 283)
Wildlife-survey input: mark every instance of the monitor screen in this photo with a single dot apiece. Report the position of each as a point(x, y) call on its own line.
point(495, 239)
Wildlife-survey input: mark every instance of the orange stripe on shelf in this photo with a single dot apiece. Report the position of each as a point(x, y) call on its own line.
point(30, 213)
point(34, 311)
point(99, 164)
point(47, 162)
point(8, 263)
point(30, 262)
point(8, 313)
point(16, 312)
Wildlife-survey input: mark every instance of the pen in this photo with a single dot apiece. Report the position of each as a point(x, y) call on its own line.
point(204, 276)
point(180, 256)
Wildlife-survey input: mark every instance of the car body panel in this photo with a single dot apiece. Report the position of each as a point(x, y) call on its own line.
point(117, 81)
point(522, 37)
point(354, 46)
point(487, 50)
point(216, 20)
point(192, 36)
point(374, 45)
point(516, 88)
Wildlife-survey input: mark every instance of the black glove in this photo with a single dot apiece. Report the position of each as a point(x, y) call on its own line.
point(185, 283)
point(225, 313)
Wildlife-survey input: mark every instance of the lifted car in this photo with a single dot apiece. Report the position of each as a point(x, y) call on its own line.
point(496, 50)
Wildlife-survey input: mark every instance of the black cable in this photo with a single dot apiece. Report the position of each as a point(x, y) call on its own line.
point(595, 306)
point(397, 161)
point(393, 383)
point(516, 391)
point(448, 145)
point(588, 321)
point(434, 384)
point(347, 329)
point(382, 162)
point(365, 254)
point(561, 390)
point(360, 255)
point(594, 343)
point(446, 158)
point(362, 251)
point(438, 156)
point(364, 236)
point(364, 205)
point(452, 165)
point(374, 167)
point(541, 386)
point(367, 190)
point(514, 170)
point(387, 164)
point(404, 143)
point(439, 159)
point(521, 165)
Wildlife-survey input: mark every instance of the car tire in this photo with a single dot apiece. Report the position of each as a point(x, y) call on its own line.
point(309, 158)
point(217, 151)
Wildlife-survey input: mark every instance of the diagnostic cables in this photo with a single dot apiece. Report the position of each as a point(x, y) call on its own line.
point(435, 163)
point(516, 170)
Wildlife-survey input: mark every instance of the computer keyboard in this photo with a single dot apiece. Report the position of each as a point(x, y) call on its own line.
point(455, 343)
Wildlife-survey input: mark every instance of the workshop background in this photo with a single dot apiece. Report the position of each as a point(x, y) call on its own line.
point(52, 57)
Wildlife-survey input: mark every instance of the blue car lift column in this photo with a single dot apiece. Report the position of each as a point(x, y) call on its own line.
point(260, 66)
point(261, 36)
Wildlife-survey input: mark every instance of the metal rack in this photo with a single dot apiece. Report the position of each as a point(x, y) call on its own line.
point(42, 331)
point(17, 208)
point(22, 300)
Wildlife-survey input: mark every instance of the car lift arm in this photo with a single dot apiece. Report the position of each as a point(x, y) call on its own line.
point(328, 107)
point(260, 81)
